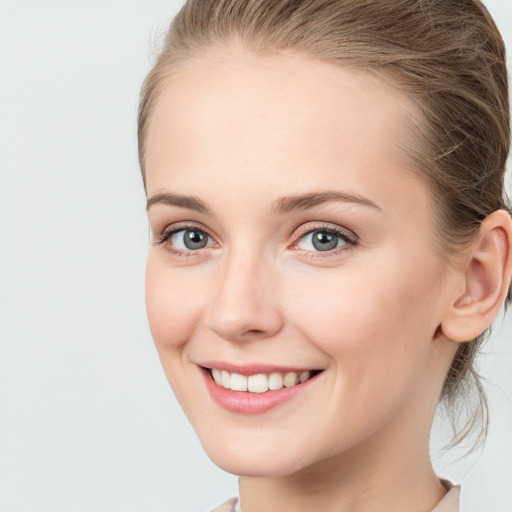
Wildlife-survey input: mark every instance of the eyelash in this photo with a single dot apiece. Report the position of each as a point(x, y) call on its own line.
point(346, 236)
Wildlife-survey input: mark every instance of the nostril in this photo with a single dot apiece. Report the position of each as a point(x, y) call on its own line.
point(251, 334)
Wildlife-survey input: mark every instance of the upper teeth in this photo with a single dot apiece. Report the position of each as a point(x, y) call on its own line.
point(258, 383)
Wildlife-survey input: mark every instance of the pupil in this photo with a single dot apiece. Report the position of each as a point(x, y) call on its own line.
point(194, 240)
point(324, 241)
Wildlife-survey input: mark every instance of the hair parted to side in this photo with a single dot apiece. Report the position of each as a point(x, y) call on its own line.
point(447, 56)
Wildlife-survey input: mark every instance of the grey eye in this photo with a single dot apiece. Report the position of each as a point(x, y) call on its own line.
point(190, 240)
point(321, 241)
point(324, 241)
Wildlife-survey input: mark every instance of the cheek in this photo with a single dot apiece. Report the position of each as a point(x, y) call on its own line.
point(377, 336)
point(375, 323)
point(363, 306)
point(174, 307)
point(173, 303)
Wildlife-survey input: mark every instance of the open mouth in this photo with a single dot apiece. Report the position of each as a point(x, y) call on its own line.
point(261, 382)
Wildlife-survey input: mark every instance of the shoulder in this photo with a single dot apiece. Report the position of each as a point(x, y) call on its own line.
point(228, 506)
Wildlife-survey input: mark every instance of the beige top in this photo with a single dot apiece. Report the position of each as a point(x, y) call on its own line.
point(450, 502)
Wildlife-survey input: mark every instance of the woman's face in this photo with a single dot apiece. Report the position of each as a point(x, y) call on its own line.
point(290, 243)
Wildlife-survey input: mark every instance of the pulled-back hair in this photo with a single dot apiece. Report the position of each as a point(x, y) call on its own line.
point(447, 56)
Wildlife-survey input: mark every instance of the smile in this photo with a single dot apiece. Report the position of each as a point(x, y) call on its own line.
point(258, 391)
point(261, 382)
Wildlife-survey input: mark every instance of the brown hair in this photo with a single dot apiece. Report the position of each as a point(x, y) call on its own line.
point(446, 55)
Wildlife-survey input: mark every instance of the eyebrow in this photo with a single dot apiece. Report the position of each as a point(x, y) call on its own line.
point(280, 206)
point(189, 202)
point(305, 201)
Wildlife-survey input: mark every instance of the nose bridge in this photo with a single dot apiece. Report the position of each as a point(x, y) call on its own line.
point(245, 303)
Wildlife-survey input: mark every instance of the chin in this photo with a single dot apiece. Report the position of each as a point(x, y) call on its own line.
point(256, 459)
point(257, 466)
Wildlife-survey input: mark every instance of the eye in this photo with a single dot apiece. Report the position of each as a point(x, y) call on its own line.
point(184, 239)
point(189, 240)
point(324, 240)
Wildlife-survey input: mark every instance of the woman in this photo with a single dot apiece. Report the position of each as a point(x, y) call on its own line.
point(330, 237)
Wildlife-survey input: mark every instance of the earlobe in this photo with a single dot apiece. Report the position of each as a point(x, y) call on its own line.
point(486, 273)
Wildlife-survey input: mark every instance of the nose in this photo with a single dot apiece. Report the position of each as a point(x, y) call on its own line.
point(245, 305)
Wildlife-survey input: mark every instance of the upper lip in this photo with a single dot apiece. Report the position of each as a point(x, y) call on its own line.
point(254, 368)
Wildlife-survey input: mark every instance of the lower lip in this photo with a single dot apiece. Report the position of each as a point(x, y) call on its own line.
point(243, 402)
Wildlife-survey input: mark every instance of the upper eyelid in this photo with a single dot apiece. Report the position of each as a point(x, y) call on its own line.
point(184, 226)
point(336, 229)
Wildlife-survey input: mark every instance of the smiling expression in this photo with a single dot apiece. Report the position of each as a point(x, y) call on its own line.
point(293, 284)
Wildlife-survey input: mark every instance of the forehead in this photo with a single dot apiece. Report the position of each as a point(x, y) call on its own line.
point(284, 114)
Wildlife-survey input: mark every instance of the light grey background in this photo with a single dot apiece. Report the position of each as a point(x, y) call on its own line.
point(87, 420)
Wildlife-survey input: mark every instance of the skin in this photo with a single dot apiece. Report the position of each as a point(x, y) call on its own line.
point(239, 133)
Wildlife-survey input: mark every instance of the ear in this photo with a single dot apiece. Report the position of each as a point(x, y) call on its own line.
point(485, 276)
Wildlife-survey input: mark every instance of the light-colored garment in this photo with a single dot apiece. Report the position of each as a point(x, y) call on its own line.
point(450, 502)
